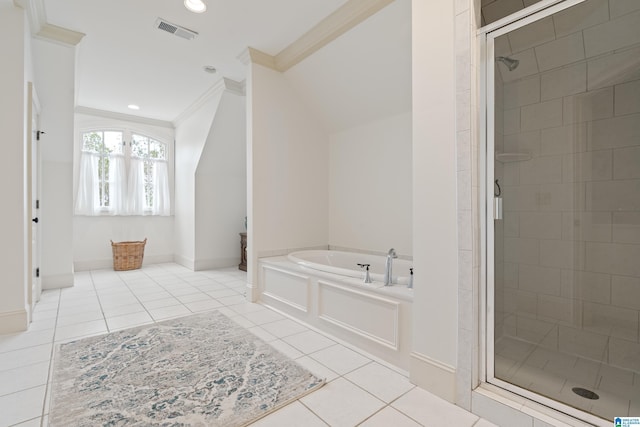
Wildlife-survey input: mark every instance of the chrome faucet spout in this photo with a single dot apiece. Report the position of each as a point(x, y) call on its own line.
point(388, 270)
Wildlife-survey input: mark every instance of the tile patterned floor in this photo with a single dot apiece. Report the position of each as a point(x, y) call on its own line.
point(360, 391)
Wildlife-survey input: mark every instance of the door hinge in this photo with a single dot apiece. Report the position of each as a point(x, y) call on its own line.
point(38, 133)
point(37, 204)
point(38, 272)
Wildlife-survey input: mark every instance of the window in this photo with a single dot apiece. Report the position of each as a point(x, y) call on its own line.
point(117, 178)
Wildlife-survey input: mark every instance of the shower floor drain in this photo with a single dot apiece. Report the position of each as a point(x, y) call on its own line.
point(587, 394)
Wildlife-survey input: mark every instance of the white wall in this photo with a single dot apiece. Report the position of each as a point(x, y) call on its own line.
point(288, 159)
point(191, 136)
point(13, 311)
point(55, 70)
point(221, 187)
point(92, 235)
point(435, 241)
point(370, 204)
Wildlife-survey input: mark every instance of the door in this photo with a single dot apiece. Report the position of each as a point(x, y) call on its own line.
point(563, 198)
point(33, 205)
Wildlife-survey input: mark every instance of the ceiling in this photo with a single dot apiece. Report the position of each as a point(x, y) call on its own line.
point(124, 59)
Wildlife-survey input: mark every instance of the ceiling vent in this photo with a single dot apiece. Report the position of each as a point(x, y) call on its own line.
point(177, 30)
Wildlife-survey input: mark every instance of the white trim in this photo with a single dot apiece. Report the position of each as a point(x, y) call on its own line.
point(57, 281)
point(339, 22)
point(221, 85)
point(60, 35)
point(433, 376)
point(521, 16)
point(14, 321)
point(122, 116)
point(346, 17)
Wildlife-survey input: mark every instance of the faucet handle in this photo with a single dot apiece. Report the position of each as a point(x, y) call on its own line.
point(367, 277)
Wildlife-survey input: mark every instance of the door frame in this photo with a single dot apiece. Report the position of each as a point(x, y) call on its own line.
point(34, 287)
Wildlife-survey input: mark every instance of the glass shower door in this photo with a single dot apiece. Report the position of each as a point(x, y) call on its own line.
point(564, 148)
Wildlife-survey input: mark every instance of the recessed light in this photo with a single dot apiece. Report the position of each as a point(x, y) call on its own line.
point(209, 69)
point(133, 107)
point(195, 6)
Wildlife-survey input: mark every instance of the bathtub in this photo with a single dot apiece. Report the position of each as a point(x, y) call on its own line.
point(346, 264)
point(324, 290)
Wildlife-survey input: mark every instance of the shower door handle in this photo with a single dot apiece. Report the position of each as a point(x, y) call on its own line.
point(497, 208)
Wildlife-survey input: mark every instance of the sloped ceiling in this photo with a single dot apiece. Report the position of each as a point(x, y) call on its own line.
point(362, 76)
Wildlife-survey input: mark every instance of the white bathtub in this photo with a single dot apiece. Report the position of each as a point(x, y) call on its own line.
point(346, 264)
point(322, 289)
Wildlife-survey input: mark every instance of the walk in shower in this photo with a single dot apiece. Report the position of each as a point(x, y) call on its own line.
point(563, 204)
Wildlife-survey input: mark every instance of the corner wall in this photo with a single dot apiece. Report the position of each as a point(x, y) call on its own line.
point(13, 86)
point(221, 187)
point(435, 225)
point(287, 157)
point(370, 203)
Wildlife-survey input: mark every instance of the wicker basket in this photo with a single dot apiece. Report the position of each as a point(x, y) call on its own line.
point(127, 255)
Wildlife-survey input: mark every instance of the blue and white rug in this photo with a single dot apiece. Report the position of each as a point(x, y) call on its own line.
point(201, 370)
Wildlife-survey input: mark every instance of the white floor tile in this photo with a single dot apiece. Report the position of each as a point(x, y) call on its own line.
point(292, 415)
point(286, 349)
point(114, 311)
point(341, 403)
point(164, 302)
point(283, 328)
point(428, 409)
point(87, 316)
point(340, 359)
point(169, 312)
point(388, 417)
point(26, 356)
point(22, 378)
point(262, 334)
point(128, 321)
point(25, 339)
point(77, 330)
point(317, 368)
point(206, 305)
point(382, 382)
point(220, 293)
point(309, 341)
point(262, 317)
point(36, 422)
point(199, 296)
point(233, 300)
point(22, 406)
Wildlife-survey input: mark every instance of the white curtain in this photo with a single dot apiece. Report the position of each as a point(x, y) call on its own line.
point(161, 202)
point(126, 196)
point(136, 187)
point(117, 187)
point(88, 198)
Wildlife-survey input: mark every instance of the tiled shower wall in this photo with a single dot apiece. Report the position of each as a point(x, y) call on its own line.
point(571, 228)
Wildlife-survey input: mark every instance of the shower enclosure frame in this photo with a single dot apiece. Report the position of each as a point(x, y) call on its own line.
point(485, 37)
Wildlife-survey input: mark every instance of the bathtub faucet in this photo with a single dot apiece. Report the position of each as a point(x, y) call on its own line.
point(388, 278)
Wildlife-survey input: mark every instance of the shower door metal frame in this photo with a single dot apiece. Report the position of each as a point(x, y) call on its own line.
point(486, 36)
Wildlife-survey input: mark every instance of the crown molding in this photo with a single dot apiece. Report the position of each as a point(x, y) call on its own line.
point(220, 86)
point(330, 28)
point(122, 116)
point(333, 26)
point(41, 29)
point(60, 35)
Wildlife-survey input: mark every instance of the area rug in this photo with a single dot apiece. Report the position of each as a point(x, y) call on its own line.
point(201, 370)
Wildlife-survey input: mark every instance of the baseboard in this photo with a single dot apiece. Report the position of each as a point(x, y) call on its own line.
point(185, 262)
point(209, 264)
point(56, 281)
point(14, 321)
point(107, 263)
point(433, 376)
